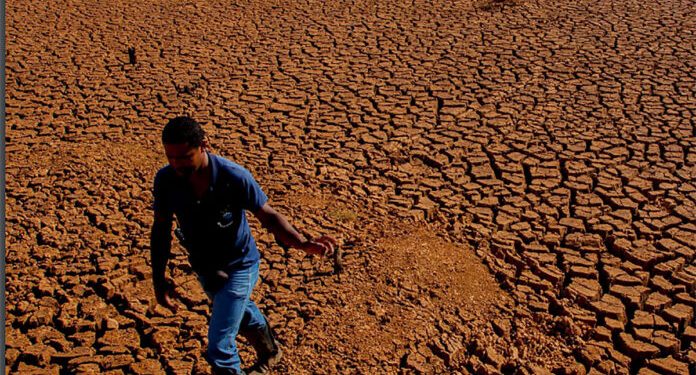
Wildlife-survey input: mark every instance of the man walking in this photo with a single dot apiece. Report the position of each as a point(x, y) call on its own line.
point(207, 195)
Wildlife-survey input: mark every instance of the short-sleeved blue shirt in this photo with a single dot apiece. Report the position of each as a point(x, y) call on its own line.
point(215, 228)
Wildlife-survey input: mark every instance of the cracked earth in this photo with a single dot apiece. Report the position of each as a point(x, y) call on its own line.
point(512, 182)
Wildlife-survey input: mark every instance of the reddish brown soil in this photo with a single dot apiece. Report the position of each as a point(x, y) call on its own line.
point(512, 181)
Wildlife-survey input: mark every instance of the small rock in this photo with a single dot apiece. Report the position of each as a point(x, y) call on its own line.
point(637, 349)
point(668, 366)
point(147, 366)
point(502, 327)
point(110, 324)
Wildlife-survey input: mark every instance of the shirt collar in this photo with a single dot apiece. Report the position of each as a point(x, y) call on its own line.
point(213, 169)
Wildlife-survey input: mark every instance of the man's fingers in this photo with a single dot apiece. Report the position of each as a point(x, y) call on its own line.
point(326, 240)
point(174, 307)
point(329, 239)
point(331, 243)
point(317, 247)
point(165, 298)
point(320, 248)
point(326, 247)
point(164, 301)
point(168, 299)
point(323, 245)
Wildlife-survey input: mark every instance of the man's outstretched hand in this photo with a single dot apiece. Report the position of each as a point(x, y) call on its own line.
point(163, 294)
point(324, 246)
point(288, 237)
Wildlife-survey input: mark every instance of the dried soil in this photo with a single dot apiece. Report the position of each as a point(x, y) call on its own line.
point(512, 181)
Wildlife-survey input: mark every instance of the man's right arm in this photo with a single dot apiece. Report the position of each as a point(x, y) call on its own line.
point(160, 248)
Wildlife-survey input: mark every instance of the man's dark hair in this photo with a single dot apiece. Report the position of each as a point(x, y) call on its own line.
point(183, 129)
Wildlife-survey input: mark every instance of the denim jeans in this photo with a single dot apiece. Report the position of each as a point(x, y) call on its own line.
point(232, 310)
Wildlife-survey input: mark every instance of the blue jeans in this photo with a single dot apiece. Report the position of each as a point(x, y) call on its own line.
point(232, 311)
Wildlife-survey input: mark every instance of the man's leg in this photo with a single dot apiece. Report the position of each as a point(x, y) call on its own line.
point(253, 317)
point(256, 329)
point(229, 308)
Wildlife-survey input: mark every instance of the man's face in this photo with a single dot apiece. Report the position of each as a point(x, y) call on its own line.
point(183, 158)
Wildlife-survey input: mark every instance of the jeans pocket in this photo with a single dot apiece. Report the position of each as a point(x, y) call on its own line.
point(237, 285)
point(213, 281)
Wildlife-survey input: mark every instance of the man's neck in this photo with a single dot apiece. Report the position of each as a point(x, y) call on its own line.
point(203, 172)
point(206, 161)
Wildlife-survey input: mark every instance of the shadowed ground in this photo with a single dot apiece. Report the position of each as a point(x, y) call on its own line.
point(513, 181)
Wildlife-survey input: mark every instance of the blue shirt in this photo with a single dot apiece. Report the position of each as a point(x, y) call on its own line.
point(215, 228)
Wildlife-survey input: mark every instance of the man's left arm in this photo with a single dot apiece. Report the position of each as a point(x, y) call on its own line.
point(279, 226)
point(256, 201)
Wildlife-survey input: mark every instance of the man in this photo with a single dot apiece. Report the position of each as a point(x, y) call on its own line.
point(209, 195)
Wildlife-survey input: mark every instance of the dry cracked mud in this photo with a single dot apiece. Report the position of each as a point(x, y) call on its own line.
point(512, 181)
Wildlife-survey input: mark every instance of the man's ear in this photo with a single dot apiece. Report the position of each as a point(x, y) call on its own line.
point(204, 145)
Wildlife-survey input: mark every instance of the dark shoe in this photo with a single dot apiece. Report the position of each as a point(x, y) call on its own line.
point(266, 362)
point(267, 348)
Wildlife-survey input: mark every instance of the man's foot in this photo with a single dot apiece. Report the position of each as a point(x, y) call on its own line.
point(267, 349)
point(267, 360)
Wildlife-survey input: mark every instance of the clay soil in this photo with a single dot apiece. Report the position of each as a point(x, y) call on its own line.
point(512, 182)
